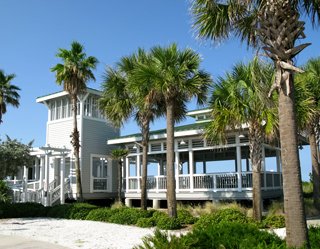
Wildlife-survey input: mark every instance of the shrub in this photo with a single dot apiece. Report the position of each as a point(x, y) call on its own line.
point(223, 215)
point(235, 235)
point(185, 217)
point(5, 192)
point(314, 237)
point(158, 215)
point(161, 240)
point(146, 222)
point(77, 211)
point(21, 210)
point(60, 211)
point(216, 236)
point(168, 223)
point(276, 207)
point(274, 221)
point(128, 216)
point(100, 214)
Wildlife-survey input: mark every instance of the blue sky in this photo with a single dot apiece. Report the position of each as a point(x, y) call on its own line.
point(33, 30)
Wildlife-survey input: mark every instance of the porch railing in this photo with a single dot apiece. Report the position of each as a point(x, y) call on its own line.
point(209, 182)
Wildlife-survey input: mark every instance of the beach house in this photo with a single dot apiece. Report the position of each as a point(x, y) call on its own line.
point(204, 169)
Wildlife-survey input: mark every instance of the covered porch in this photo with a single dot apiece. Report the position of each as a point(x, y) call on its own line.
point(47, 181)
point(203, 170)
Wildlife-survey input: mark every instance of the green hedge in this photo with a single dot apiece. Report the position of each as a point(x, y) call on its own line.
point(222, 215)
point(77, 211)
point(128, 216)
point(22, 210)
point(224, 235)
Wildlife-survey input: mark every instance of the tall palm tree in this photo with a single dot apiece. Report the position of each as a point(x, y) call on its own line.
point(74, 74)
point(275, 25)
point(241, 98)
point(8, 93)
point(176, 76)
point(119, 154)
point(309, 117)
point(124, 96)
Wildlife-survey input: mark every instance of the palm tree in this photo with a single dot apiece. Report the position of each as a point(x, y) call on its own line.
point(119, 154)
point(176, 76)
point(241, 98)
point(74, 74)
point(8, 93)
point(309, 117)
point(124, 96)
point(275, 25)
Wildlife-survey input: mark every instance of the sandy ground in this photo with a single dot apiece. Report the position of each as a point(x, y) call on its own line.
point(77, 233)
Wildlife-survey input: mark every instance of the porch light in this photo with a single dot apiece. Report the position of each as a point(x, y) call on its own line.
point(242, 136)
point(134, 146)
point(182, 142)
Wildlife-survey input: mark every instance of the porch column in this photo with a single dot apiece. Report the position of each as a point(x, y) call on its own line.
point(191, 166)
point(127, 175)
point(25, 180)
point(36, 169)
point(278, 161)
point(62, 173)
point(177, 159)
point(42, 168)
point(279, 166)
point(264, 167)
point(158, 174)
point(46, 185)
point(138, 168)
point(239, 163)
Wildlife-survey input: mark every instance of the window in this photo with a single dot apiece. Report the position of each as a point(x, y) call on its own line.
point(61, 108)
point(99, 173)
point(91, 108)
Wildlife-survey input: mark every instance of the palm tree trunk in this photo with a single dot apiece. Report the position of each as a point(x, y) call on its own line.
point(315, 169)
point(255, 146)
point(119, 179)
point(75, 141)
point(296, 226)
point(145, 141)
point(171, 182)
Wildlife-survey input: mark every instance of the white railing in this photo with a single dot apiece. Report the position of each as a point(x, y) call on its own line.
point(209, 182)
point(33, 185)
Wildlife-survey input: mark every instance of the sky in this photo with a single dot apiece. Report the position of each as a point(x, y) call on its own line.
point(34, 30)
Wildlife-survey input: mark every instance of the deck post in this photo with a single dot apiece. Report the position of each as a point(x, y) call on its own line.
point(157, 177)
point(62, 172)
point(128, 202)
point(177, 161)
point(46, 185)
point(36, 169)
point(25, 179)
point(138, 165)
point(191, 167)
point(155, 203)
point(278, 165)
point(42, 167)
point(264, 166)
point(239, 164)
point(127, 175)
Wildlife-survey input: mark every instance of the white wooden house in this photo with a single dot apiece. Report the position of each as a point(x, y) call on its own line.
point(53, 174)
point(204, 170)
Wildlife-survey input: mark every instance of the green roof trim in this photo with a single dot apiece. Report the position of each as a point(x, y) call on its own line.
point(195, 126)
